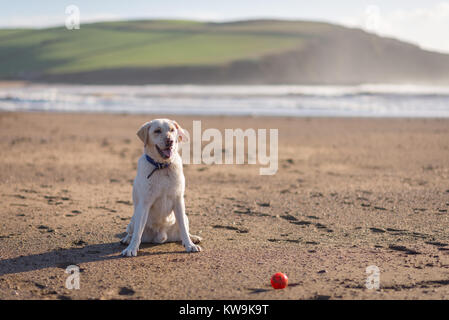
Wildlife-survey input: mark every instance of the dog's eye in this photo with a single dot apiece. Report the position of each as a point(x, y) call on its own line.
point(157, 131)
point(172, 129)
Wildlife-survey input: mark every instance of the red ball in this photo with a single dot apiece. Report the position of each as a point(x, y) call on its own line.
point(279, 280)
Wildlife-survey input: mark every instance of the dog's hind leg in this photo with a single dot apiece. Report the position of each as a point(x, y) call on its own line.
point(173, 235)
point(129, 233)
point(126, 239)
point(195, 239)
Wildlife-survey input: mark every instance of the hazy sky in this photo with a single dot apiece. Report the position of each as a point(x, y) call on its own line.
point(425, 23)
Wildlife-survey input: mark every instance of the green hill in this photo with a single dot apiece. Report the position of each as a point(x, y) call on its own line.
point(259, 51)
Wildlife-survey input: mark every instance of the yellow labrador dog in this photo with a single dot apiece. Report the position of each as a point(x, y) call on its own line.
point(158, 190)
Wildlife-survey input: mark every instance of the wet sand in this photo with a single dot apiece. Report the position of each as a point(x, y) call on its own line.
point(349, 193)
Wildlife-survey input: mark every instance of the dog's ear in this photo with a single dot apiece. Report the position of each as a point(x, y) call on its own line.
point(182, 136)
point(143, 132)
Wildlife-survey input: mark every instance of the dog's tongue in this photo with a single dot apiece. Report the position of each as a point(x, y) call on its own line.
point(167, 152)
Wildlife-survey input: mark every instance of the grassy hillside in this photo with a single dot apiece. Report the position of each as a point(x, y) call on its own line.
point(137, 44)
point(263, 51)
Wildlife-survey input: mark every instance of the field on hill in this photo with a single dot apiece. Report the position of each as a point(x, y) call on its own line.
point(146, 44)
point(242, 52)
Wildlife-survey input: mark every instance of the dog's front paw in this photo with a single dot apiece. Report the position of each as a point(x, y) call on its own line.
point(193, 248)
point(130, 251)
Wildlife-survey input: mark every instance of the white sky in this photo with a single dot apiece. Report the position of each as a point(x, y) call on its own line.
point(425, 23)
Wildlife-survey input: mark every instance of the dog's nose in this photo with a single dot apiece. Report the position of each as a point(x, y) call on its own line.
point(168, 142)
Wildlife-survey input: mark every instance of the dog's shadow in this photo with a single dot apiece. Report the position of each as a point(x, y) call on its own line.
point(62, 258)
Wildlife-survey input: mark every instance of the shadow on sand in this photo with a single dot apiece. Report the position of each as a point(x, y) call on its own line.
point(61, 258)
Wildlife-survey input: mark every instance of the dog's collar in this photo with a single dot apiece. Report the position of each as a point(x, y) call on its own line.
point(158, 165)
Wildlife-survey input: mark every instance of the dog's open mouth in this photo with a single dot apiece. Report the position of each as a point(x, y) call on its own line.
point(165, 153)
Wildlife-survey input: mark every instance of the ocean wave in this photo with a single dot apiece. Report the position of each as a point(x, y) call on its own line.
point(362, 100)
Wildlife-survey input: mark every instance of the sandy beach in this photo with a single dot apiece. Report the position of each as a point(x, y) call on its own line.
point(348, 194)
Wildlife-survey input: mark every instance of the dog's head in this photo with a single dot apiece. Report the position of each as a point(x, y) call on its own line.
point(161, 137)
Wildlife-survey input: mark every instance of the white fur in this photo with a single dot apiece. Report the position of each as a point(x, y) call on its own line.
point(159, 210)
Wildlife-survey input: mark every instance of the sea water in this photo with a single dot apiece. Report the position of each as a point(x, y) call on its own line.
point(258, 100)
